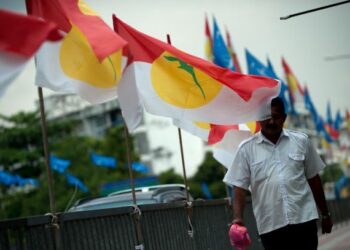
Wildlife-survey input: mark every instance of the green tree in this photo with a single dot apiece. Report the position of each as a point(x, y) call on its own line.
point(332, 173)
point(212, 173)
point(21, 152)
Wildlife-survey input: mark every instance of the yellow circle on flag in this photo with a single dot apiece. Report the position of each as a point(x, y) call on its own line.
point(202, 125)
point(180, 84)
point(79, 61)
point(252, 126)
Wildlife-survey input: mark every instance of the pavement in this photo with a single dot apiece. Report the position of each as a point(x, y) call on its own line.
point(339, 239)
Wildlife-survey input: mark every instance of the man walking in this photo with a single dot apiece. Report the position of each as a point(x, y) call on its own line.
point(280, 167)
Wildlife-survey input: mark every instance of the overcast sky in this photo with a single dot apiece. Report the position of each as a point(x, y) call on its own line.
point(305, 41)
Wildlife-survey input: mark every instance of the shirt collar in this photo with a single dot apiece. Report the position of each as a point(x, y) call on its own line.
point(261, 137)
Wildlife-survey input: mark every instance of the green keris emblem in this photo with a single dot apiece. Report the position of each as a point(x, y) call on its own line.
point(189, 69)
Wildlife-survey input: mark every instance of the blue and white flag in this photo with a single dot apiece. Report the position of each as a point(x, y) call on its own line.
point(221, 54)
point(103, 161)
point(255, 67)
point(74, 181)
point(58, 164)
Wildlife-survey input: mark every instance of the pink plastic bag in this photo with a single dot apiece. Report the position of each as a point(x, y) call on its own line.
point(239, 237)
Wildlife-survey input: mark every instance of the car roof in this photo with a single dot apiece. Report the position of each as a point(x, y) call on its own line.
point(144, 195)
point(151, 188)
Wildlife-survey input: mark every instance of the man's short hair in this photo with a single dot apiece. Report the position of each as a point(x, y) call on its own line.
point(278, 102)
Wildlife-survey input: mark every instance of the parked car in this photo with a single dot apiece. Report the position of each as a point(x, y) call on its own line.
point(144, 195)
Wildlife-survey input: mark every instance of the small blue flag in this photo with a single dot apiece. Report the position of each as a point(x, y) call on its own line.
point(58, 164)
point(284, 92)
point(221, 54)
point(139, 167)
point(338, 120)
point(320, 128)
point(74, 181)
point(206, 191)
point(7, 179)
point(329, 114)
point(103, 161)
point(256, 67)
point(309, 105)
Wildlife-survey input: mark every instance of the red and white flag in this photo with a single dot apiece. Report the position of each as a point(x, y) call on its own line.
point(88, 61)
point(172, 83)
point(226, 139)
point(20, 38)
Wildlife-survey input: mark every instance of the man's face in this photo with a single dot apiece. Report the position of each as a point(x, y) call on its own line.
point(272, 127)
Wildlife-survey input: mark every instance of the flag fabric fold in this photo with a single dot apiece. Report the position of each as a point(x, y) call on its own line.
point(88, 61)
point(228, 138)
point(169, 82)
point(20, 38)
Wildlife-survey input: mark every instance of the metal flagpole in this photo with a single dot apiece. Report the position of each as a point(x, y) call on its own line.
point(136, 214)
point(313, 10)
point(54, 220)
point(46, 151)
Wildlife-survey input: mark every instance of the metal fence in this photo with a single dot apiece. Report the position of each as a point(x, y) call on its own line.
point(163, 226)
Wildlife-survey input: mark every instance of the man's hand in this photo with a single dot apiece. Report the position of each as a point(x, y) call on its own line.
point(326, 224)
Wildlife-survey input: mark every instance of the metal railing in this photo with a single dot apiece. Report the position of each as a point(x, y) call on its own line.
point(164, 226)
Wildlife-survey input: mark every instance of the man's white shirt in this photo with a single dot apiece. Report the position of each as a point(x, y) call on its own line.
point(276, 175)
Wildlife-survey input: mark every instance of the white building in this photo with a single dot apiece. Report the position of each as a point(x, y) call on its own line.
point(156, 139)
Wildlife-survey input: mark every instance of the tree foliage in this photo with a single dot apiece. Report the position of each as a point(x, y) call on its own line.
point(21, 152)
point(332, 173)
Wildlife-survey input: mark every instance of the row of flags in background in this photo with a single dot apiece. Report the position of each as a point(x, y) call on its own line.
point(294, 96)
point(80, 54)
point(60, 165)
point(98, 64)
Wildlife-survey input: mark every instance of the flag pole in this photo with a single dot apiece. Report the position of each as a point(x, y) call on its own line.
point(131, 174)
point(188, 203)
point(136, 212)
point(46, 151)
point(181, 148)
point(54, 220)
